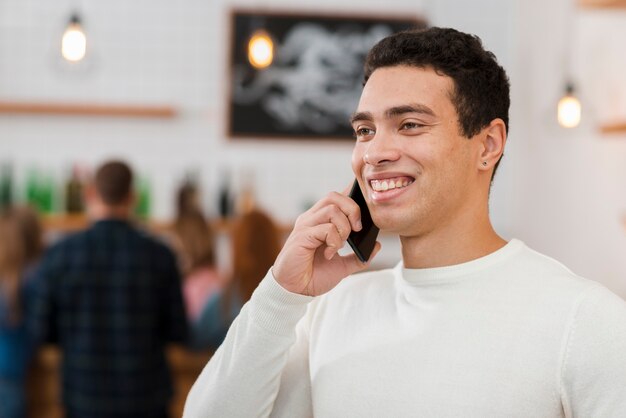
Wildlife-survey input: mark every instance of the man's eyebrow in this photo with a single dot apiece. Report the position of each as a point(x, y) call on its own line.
point(412, 108)
point(361, 116)
point(393, 112)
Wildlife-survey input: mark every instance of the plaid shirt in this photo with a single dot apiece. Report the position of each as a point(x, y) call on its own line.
point(110, 297)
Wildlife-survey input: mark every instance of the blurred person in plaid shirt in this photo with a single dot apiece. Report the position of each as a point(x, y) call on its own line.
point(110, 297)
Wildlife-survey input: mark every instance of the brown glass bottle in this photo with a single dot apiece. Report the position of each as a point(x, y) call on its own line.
point(74, 193)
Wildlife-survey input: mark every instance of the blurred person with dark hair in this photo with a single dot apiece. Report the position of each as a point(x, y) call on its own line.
point(187, 199)
point(20, 247)
point(194, 241)
point(256, 241)
point(110, 297)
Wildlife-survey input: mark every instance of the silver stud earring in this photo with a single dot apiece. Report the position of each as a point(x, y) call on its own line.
point(484, 163)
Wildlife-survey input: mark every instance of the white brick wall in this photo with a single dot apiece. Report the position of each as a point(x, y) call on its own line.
point(562, 192)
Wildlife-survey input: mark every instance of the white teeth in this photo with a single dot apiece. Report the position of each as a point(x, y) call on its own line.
point(384, 185)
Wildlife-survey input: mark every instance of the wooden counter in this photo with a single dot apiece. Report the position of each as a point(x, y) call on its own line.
point(62, 223)
point(44, 384)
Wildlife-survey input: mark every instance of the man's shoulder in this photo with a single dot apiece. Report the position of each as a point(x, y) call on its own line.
point(67, 242)
point(137, 235)
point(543, 282)
point(134, 238)
point(149, 238)
point(537, 269)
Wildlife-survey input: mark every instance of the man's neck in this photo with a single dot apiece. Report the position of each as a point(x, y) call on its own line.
point(461, 241)
point(101, 213)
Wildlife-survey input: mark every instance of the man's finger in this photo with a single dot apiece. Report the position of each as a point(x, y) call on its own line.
point(354, 265)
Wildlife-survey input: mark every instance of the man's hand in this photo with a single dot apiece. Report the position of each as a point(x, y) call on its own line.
point(308, 263)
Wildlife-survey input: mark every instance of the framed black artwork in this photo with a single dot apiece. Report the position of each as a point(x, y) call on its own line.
point(315, 78)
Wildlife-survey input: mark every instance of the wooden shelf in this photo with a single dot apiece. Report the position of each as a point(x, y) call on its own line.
point(604, 4)
point(613, 128)
point(88, 109)
point(63, 223)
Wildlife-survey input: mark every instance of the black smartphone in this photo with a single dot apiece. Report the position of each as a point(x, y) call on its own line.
point(363, 241)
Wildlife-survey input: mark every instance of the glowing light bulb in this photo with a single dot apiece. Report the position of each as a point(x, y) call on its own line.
point(74, 41)
point(260, 50)
point(569, 110)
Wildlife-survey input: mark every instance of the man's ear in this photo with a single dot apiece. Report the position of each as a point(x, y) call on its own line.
point(89, 193)
point(493, 140)
point(131, 200)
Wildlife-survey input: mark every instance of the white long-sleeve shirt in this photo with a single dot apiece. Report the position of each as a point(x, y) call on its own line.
point(512, 334)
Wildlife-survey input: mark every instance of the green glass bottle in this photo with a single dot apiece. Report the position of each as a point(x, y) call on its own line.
point(6, 185)
point(31, 194)
point(46, 192)
point(142, 207)
point(74, 193)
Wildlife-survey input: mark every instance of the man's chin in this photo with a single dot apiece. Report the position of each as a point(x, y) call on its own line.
point(391, 225)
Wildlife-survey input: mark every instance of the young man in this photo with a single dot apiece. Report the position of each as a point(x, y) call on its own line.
point(110, 297)
point(468, 325)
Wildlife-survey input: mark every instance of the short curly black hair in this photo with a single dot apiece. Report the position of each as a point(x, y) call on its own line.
point(481, 86)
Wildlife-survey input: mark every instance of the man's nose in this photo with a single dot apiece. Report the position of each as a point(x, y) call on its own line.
point(381, 149)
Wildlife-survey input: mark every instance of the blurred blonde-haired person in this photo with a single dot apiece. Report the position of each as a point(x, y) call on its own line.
point(256, 241)
point(20, 248)
point(194, 242)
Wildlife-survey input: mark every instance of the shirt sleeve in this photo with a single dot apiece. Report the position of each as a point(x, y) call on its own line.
point(594, 364)
point(294, 395)
point(243, 379)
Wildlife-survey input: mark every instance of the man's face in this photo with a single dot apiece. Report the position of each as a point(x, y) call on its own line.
point(415, 168)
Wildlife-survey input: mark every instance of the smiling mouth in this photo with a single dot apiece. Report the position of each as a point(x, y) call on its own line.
point(383, 185)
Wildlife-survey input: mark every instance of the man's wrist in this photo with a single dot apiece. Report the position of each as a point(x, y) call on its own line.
point(275, 308)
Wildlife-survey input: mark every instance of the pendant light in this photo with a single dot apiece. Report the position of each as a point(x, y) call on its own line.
point(260, 49)
point(569, 109)
point(74, 41)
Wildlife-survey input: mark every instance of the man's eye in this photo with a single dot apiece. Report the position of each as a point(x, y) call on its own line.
point(360, 132)
point(411, 125)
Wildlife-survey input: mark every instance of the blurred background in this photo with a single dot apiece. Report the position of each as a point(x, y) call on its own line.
point(561, 190)
point(157, 78)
